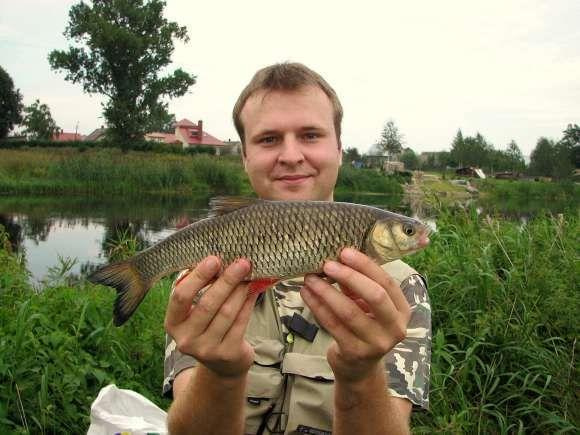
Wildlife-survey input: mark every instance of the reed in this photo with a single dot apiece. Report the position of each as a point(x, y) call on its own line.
point(108, 171)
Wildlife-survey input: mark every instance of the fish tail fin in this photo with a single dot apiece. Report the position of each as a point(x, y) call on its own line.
point(130, 285)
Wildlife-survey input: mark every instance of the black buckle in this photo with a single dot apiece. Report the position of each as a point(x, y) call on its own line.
point(299, 326)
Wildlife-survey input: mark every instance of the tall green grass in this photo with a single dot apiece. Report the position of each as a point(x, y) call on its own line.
point(110, 171)
point(505, 302)
point(59, 348)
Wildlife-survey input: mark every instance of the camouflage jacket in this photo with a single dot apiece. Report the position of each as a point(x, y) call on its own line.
point(279, 356)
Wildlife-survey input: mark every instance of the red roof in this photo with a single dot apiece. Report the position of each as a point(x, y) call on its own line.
point(185, 123)
point(67, 137)
point(205, 139)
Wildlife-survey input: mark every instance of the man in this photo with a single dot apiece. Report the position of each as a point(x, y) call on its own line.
point(305, 357)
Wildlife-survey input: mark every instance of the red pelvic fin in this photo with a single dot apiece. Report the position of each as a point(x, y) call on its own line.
point(261, 285)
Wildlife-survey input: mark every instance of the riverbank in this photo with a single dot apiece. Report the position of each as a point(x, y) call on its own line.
point(504, 299)
point(507, 196)
point(108, 171)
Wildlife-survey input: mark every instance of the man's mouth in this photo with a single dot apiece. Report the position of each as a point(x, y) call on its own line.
point(293, 179)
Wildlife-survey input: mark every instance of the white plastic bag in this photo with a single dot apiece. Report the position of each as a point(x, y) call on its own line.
point(116, 410)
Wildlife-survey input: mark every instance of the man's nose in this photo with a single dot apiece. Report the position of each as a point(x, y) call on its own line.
point(291, 152)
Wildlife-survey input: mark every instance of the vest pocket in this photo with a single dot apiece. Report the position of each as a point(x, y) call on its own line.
point(263, 388)
point(312, 394)
point(264, 381)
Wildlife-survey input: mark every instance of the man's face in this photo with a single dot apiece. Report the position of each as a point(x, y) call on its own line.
point(292, 151)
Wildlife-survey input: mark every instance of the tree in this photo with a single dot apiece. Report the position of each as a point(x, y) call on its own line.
point(472, 151)
point(10, 104)
point(351, 155)
point(122, 46)
point(38, 122)
point(571, 139)
point(391, 141)
point(515, 158)
point(542, 158)
point(410, 159)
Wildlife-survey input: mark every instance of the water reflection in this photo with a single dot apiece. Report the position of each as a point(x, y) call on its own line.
point(44, 228)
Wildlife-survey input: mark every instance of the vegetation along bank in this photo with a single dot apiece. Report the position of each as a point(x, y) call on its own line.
point(505, 303)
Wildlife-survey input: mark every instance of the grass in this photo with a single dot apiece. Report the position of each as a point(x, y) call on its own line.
point(59, 348)
point(505, 302)
point(109, 171)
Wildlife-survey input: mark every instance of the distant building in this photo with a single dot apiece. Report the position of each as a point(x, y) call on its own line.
point(189, 135)
point(97, 134)
point(384, 163)
point(67, 137)
point(232, 147)
point(470, 171)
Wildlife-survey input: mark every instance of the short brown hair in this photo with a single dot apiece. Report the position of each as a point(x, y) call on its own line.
point(285, 77)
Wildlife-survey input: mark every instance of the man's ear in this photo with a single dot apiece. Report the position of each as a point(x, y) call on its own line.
point(244, 159)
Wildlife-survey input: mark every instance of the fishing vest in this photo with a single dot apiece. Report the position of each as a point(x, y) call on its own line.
point(290, 386)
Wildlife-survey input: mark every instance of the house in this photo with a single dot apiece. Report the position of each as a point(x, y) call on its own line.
point(386, 163)
point(169, 138)
point(189, 135)
point(67, 137)
point(97, 135)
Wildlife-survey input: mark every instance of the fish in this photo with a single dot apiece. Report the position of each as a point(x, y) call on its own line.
point(281, 239)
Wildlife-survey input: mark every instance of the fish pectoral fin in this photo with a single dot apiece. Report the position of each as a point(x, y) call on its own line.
point(261, 285)
point(221, 205)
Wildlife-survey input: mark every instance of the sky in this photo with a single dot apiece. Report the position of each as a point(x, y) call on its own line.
point(507, 69)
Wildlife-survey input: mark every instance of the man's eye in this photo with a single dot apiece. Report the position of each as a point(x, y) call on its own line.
point(311, 136)
point(268, 140)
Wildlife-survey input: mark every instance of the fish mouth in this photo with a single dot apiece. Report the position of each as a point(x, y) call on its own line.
point(423, 239)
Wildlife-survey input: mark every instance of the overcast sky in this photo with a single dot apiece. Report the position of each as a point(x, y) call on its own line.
point(508, 69)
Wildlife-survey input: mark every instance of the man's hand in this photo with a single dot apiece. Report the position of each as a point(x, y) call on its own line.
point(212, 330)
point(367, 319)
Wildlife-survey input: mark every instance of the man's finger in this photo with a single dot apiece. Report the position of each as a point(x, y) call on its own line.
point(376, 297)
point(186, 289)
point(363, 264)
point(212, 300)
point(238, 329)
point(324, 315)
point(344, 309)
point(227, 314)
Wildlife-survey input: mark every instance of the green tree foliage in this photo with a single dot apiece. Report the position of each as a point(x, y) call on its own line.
point(38, 122)
point(391, 140)
point(471, 151)
point(515, 157)
point(542, 157)
point(121, 47)
point(410, 159)
point(10, 104)
point(571, 139)
point(351, 154)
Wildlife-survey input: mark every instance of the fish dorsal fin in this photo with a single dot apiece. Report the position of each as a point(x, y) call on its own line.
point(221, 205)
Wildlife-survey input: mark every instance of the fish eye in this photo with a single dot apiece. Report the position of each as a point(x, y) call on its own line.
point(408, 229)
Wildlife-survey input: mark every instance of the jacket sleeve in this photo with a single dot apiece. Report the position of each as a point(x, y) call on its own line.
point(408, 364)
